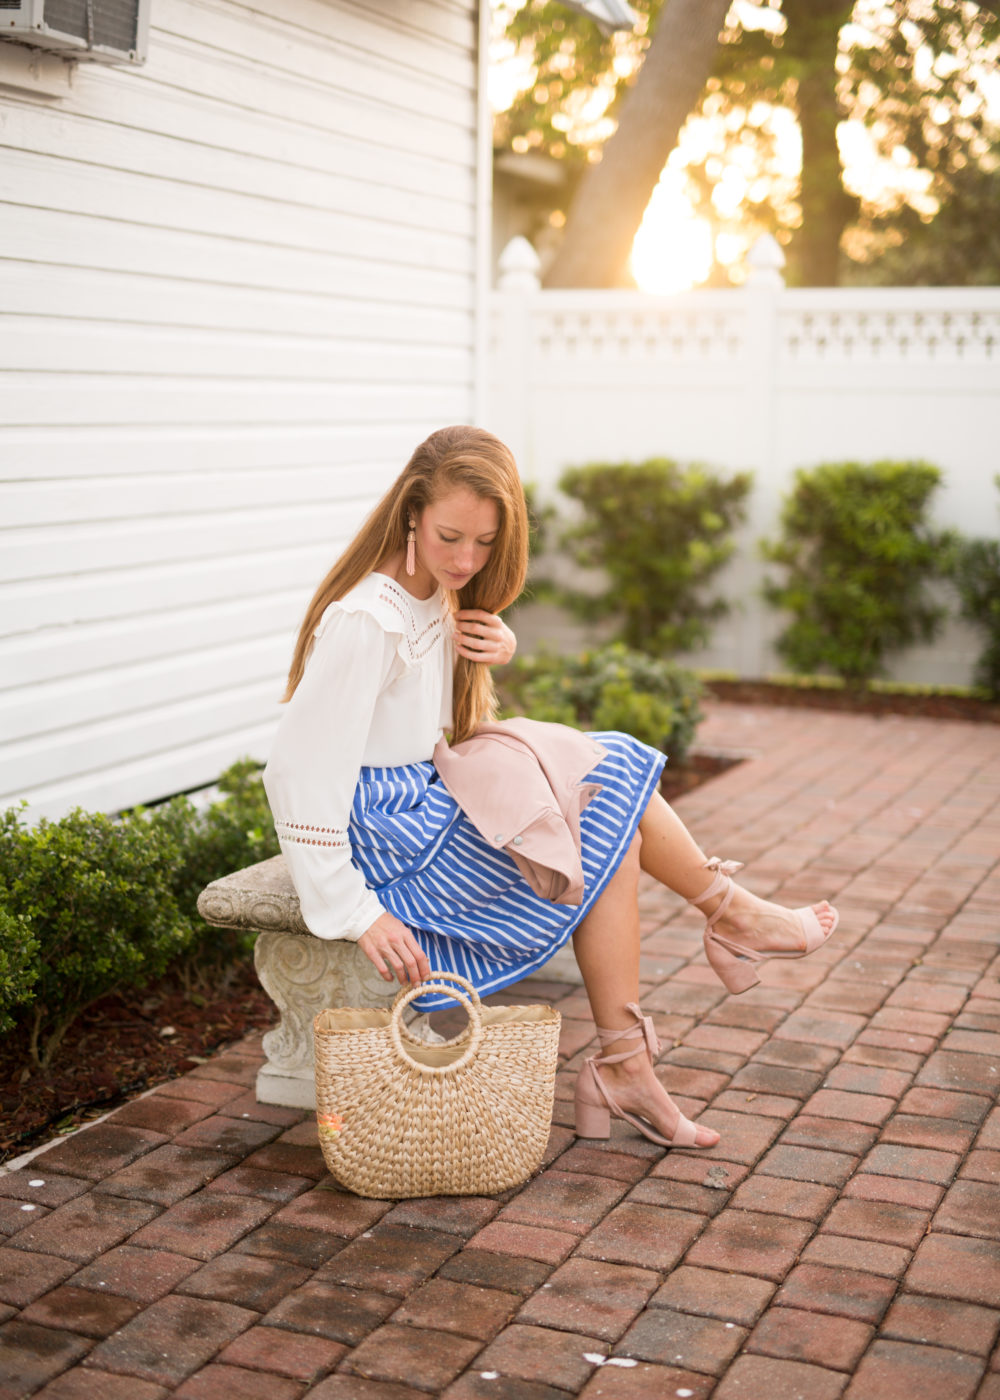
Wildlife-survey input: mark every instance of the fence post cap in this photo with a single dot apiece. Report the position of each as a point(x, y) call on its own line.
point(765, 261)
point(520, 266)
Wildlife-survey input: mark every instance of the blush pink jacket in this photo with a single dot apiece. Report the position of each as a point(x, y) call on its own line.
point(521, 784)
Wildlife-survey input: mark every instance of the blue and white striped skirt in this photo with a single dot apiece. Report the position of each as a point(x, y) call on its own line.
point(469, 906)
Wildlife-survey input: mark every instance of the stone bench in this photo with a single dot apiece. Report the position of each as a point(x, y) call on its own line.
point(302, 974)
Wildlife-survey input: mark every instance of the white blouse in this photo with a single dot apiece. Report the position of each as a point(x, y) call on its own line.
point(376, 692)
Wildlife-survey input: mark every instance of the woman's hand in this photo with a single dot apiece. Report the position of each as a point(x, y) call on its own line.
point(393, 949)
point(482, 636)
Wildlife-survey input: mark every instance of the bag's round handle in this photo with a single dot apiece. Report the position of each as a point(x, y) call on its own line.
point(466, 996)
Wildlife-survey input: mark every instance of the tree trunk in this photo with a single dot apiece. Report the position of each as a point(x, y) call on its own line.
point(812, 37)
point(612, 197)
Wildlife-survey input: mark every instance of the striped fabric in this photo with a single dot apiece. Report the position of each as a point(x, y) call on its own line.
point(467, 903)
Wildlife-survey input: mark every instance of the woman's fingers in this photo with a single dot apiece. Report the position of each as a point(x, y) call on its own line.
point(482, 636)
point(394, 952)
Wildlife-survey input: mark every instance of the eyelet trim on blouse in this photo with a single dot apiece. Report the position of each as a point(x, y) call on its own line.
point(306, 835)
point(418, 644)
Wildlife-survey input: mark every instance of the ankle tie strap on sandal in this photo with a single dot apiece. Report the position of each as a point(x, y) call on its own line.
point(642, 1030)
point(724, 870)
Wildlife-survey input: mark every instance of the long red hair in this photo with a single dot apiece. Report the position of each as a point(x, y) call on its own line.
point(449, 459)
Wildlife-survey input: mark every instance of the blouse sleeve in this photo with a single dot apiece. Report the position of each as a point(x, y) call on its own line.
point(312, 773)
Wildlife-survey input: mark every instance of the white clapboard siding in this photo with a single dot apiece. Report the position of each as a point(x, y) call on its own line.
point(237, 286)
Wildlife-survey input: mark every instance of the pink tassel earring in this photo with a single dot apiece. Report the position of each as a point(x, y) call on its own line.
point(411, 548)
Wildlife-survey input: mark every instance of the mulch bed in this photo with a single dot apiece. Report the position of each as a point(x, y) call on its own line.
point(125, 1044)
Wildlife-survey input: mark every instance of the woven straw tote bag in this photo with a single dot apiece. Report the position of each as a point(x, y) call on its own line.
point(466, 1117)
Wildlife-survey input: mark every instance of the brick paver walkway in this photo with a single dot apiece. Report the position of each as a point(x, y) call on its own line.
point(840, 1241)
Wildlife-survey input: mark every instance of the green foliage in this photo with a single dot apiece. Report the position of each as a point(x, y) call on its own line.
point(858, 553)
point(658, 530)
point(96, 895)
point(977, 577)
point(91, 904)
point(540, 518)
point(18, 965)
point(608, 688)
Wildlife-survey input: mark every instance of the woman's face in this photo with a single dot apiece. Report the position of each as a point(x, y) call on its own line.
point(455, 534)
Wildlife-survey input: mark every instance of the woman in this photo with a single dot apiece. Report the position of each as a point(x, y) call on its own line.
point(395, 649)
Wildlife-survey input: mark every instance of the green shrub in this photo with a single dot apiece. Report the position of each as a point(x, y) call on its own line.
point(977, 577)
point(96, 895)
point(659, 531)
point(609, 688)
point(858, 554)
point(18, 965)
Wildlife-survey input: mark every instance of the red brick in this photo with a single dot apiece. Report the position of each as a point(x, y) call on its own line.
point(694, 1343)
point(268, 1186)
point(878, 1220)
point(223, 1382)
point(920, 1163)
point(758, 1105)
point(84, 1383)
point(909, 1130)
point(647, 1236)
point(204, 1225)
point(841, 1252)
point(293, 1161)
point(926, 996)
point(643, 1382)
point(235, 1137)
point(291, 1354)
point(458, 1307)
point(751, 1377)
point(797, 1054)
point(500, 1272)
point(141, 1274)
point(700, 1171)
point(309, 1248)
point(503, 1237)
point(730, 1297)
point(970, 1208)
point(325, 1310)
point(829, 1135)
point(96, 1152)
point(81, 1310)
point(846, 1292)
point(680, 999)
point(83, 1228)
point(842, 995)
point(240, 1278)
point(921, 1025)
point(805, 1027)
point(940, 1103)
point(737, 1012)
point(922, 1195)
point(951, 1069)
point(895, 1049)
point(854, 1107)
point(595, 1161)
point(161, 1114)
point(528, 1353)
point(744, 1139)
point(24, 1277)
point(582, 1295)
point(32, 1355)
point(230, 1069)
point(953, 1266)
point(802, 1164)
point(166, 1175)
point(52, 1190)
point(390, 1259)
point(356, 1388)
point(456, 1215)
point(941, 1322)
point(336, 1212)
point(820, 1339)
point(677, 1195)
point(903, 1371)
point(171, 1339)
point(205, 1091)
point(982, 1166)
point(779, 1196)
point(18, 1215)
point(775, 1079)
point(567, 1201)
point(247, 1106)
point(729, 1039)
point(426, 1360)
point(750, 1242)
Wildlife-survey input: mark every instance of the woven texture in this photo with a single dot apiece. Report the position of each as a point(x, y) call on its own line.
point(399, 1118)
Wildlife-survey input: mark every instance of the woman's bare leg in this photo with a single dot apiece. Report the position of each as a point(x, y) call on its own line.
point(672, 856)
point(606, 945)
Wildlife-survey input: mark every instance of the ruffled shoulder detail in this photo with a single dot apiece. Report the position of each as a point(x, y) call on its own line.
point(420, 626)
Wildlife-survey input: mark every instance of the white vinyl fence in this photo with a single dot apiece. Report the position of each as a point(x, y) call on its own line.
point(762, 377)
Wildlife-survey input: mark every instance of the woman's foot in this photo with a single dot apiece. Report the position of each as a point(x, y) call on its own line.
point(743, 930)
point(643, 1096)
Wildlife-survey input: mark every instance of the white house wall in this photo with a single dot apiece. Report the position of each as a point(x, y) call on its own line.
point(237, 286)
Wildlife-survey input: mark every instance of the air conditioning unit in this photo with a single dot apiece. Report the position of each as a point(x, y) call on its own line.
point(111, 31)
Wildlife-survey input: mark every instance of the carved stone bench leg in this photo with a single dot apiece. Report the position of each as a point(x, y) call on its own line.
point(303, 975)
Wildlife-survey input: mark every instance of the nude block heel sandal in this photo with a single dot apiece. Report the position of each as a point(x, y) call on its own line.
point(595, 1106)
point(733, 963)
